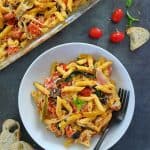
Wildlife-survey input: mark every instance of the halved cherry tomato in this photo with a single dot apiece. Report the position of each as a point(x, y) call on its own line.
point(64, 66)
point(53, 127)
point(9, 16)
point(16, 33)
point(11, 22)
point(117, 37)
point(95, 32)
point(11, 50)
point(117, 15)
point(86, 92)
point(64, 84)
point(34, 29)
point(52, 109)
point(69, 131)
point(56, 74)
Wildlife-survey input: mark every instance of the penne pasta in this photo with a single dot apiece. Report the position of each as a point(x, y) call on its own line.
point(24, 21)
point(72, 89)
point(41, 88)
point(98, 104)
point(74, 102)
point(89, 83)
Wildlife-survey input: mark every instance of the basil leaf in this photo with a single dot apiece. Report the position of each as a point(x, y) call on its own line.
point(131, 19)
point(79, 103)
point(102, 96)
point(129, 3)
point(75, 73)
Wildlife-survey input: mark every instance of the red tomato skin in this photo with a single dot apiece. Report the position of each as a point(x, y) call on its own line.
point(95, 33)
point(12, 50)
point(64, 66)
point(11, 22)
point(16, 34)
point(117, 15)
point(86, 92)
point(64, 84)
point(9, 16)
point(34, 29)
point(117, 37)
point(69, 131)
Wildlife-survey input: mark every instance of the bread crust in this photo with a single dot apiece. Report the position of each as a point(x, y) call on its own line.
point(138, 37)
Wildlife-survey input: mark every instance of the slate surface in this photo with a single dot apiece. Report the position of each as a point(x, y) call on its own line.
point(138, 135)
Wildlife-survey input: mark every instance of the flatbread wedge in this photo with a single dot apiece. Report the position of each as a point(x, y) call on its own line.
point(21, 145)
point(10, 134)
point(10, 137)
point(138, 37)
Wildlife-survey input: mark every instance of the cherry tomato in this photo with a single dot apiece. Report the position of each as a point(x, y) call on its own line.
point(9, 16)
point(117, 37)
point(11, 22)
point(69, 131)
point(86, 92)
point(53, 127)
point(12, 50)
point(63, 84)
point(95, 33)
point(34, 29)
point(64, 66)
point(52, 109)
point(117, 15)
point(16, 33)
point(56, 74)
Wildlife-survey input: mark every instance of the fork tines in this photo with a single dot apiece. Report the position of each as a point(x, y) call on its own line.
point(124, 98)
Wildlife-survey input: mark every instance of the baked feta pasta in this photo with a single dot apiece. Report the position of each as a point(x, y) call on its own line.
point(77, 99)
point(22, 21)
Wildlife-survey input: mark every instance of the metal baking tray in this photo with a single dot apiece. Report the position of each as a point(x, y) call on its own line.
point(76, 14)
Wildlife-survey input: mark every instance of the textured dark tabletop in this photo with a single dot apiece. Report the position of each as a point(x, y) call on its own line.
point(138, 135)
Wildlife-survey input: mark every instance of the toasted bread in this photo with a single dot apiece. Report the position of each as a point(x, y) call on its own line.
point(10, 134)
point(10, 137)
point(21, 145)
point(138, 37)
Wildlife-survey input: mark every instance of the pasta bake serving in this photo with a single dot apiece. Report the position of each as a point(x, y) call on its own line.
point(22, 21)
point(77, 99)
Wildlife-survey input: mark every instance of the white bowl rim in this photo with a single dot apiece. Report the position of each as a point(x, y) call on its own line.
point(103, 50)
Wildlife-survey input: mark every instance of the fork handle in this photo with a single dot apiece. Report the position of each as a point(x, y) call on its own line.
point(101, 139)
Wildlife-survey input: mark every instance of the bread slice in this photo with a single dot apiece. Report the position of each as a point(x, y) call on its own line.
point(138, 37)
point(10, 134)
point(21, 145)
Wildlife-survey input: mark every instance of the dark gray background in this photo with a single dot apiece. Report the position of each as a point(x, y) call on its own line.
point(138, 135)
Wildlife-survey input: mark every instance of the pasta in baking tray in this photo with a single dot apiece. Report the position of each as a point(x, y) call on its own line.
point(24, 21)
point(77, 99)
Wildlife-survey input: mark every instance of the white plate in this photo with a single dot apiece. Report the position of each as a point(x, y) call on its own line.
point(39, 69)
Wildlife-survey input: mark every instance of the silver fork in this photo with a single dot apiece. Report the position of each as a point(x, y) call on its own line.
point(117, 116)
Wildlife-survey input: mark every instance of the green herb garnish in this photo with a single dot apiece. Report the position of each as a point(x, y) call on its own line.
point(79, 103)
point(129, 3)
point(75, 73)
point(131, 19)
